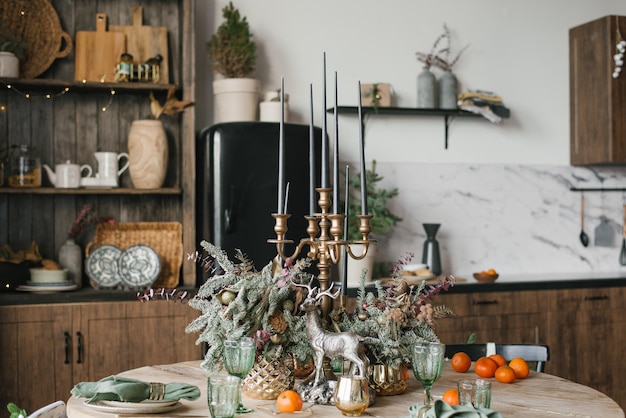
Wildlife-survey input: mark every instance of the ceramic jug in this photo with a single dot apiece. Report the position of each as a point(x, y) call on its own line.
point(109, 170)
point(67, 175)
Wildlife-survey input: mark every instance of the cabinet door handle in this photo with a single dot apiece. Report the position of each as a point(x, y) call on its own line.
point(80, 347)
point(599, 297)
point(67, 347)
point(485, 302)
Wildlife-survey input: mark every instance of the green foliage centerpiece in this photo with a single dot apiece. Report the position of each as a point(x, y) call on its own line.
point(394, 318)
point(239, 301)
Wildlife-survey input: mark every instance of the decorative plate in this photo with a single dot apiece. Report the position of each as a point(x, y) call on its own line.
point(139, 266)
point(102, 266)
point(132, 407)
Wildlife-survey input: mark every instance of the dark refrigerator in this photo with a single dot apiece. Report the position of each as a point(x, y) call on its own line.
point(237, 186)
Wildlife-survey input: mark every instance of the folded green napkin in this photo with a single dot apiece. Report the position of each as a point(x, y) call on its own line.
point(443, 410)
point(115, 388)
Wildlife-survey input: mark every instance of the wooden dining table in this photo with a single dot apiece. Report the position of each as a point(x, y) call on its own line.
point(539, 395)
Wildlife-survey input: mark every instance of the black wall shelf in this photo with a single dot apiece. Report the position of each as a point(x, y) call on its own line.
point(448, 114)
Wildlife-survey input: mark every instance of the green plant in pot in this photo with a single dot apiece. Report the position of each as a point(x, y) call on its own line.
point(12, 51)
point(232, 55)
point(382, 222)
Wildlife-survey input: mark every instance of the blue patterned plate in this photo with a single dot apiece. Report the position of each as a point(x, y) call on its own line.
point(102, 266)
point(139, 266)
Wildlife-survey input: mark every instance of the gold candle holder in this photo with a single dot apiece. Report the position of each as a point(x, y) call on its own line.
point(324, 241)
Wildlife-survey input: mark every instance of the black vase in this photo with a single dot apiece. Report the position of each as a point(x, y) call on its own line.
point(430, 256)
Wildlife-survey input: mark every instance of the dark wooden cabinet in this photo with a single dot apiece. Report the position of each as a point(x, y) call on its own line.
point(46, 349)
point(597, 99)
point(515, 317)
point(72, 125)
point(585, 329)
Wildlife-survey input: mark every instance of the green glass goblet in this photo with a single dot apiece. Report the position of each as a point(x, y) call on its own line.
point(238, 361)
point(427, 362)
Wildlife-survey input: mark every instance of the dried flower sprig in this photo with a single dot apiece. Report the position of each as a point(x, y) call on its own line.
point(85, 218)
point(171, 106)
point(440, 58)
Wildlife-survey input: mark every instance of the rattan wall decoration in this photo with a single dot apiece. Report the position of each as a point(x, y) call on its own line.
point(37, 23)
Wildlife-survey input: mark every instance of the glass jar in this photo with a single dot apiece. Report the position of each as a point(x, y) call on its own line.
point(24, 167)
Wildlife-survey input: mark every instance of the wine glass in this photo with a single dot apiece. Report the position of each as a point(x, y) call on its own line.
point(427, 365)
point(238, 360)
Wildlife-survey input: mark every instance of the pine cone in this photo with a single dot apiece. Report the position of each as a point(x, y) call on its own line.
point(278, 322)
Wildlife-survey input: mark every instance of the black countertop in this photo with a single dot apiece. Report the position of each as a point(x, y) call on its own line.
point(504, 283)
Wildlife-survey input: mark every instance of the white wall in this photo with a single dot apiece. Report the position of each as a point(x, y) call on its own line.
point(517, 49)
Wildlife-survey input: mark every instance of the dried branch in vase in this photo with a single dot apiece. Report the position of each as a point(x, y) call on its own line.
point(440, 58)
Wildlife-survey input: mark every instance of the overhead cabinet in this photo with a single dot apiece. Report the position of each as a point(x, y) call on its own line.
point(597, 97)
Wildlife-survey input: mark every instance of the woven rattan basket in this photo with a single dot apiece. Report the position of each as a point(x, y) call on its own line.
point(37, 23)
point(166, 238)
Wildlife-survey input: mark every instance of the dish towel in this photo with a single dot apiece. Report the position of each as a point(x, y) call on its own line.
point(443, 410)
point(116, 388)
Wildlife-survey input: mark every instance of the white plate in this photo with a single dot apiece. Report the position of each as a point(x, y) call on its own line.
point(143, 404)
point(307, 409)
point(47, 288)
point(102, 266)
point(132, 407)
point(139, 266)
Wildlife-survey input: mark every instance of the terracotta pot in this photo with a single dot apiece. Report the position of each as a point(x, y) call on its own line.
point(147, 154)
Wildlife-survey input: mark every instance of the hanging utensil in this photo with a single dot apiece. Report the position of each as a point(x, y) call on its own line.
point(622, 254)
point(584, 238)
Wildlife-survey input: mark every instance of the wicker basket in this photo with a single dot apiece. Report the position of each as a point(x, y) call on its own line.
point(166, 238)
point(37, 23)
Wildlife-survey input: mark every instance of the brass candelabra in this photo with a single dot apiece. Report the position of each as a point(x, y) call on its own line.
point(325, 241)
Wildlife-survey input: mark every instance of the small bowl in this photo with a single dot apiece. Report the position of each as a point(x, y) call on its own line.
point(485, 278)
point(39, 275)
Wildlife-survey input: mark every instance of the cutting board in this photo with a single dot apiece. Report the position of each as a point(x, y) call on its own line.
point(145, 42)
point(97, 53)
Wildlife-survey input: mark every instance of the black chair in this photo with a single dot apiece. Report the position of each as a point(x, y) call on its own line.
point(536, 354)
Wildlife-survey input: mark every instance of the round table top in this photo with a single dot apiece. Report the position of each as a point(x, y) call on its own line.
point(539, 395)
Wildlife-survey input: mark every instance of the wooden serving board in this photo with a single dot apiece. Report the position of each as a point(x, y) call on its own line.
point(145, 42)
point(97, 53)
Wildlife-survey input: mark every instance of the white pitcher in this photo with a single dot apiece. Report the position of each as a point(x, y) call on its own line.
point(109, 170)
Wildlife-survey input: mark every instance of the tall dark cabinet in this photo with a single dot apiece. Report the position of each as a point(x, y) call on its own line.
point(597, 99)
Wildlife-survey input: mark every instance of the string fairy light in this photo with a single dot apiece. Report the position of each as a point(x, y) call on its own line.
point(50, 96)
point(620, 48)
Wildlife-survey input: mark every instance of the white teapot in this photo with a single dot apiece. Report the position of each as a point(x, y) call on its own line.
point(67, 175)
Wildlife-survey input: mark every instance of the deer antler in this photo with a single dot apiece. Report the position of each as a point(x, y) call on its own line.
point(328, 293)
point(306, 286)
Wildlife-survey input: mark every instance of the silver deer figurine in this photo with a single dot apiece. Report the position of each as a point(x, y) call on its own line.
point(330, 344)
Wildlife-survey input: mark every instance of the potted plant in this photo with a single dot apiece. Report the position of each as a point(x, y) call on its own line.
point(232, 55)
point(12, 51)
point(382, 221)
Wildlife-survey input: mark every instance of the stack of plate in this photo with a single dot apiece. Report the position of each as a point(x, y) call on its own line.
point(47, 281)
point(136, 267)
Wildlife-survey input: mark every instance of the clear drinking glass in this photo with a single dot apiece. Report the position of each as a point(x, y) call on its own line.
point(427, 365)
point(352, 395)
point(475, 392)
point(238, 361)
point(223, 395)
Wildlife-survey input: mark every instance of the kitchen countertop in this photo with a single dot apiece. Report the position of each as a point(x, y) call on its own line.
point(505, 283)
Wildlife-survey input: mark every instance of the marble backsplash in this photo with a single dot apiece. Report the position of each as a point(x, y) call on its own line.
point(517, 219)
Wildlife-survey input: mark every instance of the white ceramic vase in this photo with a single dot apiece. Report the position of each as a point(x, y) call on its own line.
point(147, 154)
point(71, 258)
point(236, 99)
point(355, 267)
point(9, 65)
